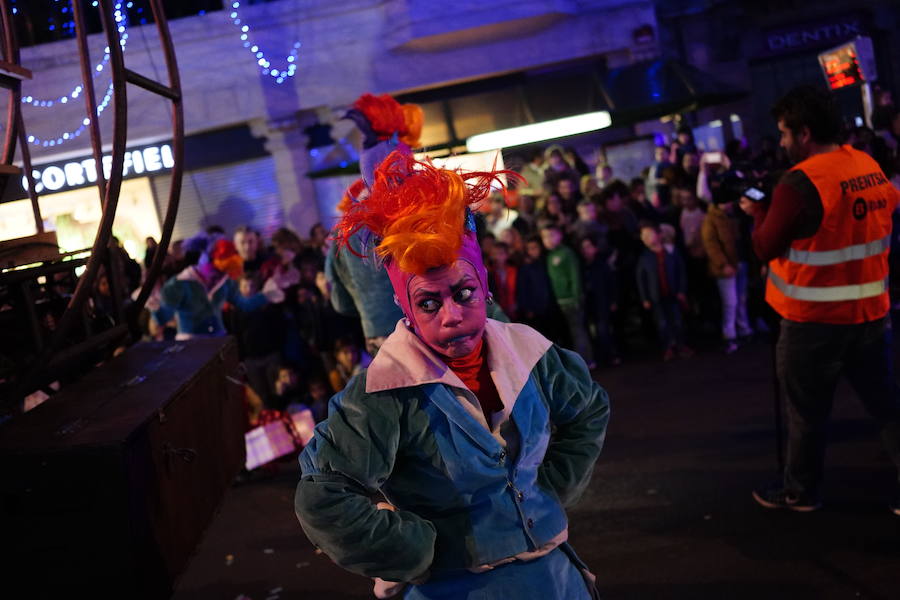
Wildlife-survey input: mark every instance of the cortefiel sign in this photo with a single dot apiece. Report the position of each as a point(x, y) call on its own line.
point(72, 174)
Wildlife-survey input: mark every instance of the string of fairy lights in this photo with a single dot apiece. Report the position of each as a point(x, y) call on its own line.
point(121, 18)
point(279, 74)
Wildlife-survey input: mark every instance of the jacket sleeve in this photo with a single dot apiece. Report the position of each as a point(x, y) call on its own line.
point(172, 294)
point(348, 460)
point(341, 300)
point(579, 411)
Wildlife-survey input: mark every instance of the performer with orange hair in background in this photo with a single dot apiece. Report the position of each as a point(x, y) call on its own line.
point(452, 420)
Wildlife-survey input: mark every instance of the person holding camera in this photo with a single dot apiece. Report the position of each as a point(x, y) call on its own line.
point(826, 236)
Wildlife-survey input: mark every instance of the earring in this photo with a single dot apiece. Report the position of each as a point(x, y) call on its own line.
point(490, 298)
point(406, 321)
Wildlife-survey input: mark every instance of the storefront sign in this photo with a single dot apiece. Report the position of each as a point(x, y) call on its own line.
point(812, 35)
point(68, 175)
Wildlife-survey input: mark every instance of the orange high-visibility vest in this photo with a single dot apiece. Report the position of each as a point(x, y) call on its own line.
point(840, 274)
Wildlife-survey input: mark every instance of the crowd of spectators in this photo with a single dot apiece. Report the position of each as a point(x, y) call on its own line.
point(603, 266)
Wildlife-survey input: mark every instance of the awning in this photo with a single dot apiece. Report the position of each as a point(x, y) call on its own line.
point(653, 89)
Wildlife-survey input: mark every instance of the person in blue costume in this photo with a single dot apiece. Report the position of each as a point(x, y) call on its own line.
point(478, 433)
point(196, 295)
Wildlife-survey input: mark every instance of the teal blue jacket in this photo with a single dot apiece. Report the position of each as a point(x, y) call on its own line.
point(469, 495)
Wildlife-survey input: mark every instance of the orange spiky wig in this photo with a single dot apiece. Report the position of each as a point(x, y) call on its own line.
point(417, 211)
point(387, 117)
point(421, 217)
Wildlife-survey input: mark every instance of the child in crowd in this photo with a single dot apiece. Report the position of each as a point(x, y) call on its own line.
point(662, 285)
point(502, 279)
point(600, 299)
point(346, 364)
point(534, 296)
point(587, 226)
point(565, 279)
point(285, 388)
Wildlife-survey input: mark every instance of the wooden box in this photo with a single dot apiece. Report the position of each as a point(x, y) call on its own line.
point(107, 487)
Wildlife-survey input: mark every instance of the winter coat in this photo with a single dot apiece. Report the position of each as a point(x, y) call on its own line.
point(648, 275)
point(479, 506)
point(198, 311)
point(720, 235)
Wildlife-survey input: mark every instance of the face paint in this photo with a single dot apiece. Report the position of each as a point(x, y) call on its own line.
point(448, 309)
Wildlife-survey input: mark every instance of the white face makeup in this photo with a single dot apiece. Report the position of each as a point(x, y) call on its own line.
point(448, 306)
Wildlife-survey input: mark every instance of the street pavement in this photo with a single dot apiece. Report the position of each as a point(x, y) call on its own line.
point(668, 514)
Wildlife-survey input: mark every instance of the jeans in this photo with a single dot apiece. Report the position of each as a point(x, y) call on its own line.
point(574, 316)
point(667, 314)
point(733, 293)
point(810, 358)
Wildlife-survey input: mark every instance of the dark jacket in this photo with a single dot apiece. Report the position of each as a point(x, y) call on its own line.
point(600, 291)
point(648, 275)
point(533, 291)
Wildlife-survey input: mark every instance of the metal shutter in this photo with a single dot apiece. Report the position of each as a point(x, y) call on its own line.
point(244, 193)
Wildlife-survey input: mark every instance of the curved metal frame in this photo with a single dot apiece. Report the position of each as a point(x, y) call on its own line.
point(109, 189)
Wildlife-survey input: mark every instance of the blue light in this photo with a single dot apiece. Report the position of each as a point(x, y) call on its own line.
point(259, 55)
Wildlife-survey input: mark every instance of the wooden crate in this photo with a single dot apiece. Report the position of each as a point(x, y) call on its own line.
point(108, 486)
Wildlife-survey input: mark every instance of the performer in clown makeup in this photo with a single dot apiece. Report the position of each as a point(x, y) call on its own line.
point(477, 432)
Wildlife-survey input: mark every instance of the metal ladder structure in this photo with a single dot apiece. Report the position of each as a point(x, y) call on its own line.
point(56, 352)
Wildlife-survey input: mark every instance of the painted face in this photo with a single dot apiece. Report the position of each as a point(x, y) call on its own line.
point(448, 306)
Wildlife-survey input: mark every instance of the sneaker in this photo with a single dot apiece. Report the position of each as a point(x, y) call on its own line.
point(778, 497)
point(669, 355)
point(731, 347)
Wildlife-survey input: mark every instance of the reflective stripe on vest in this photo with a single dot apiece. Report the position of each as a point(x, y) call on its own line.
point(841, 255)
point(833, 293)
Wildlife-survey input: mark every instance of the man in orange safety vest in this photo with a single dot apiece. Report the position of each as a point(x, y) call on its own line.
point(826, 237)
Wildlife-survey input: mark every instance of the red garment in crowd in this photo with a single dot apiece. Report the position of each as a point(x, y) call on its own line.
point(664, 289)
point(473, 370)
point(505, 292)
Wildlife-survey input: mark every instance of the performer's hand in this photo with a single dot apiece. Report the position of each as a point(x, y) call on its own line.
point(387, 589)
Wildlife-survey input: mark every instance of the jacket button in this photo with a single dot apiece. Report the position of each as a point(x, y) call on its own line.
point(521, 496)
point(530, 523)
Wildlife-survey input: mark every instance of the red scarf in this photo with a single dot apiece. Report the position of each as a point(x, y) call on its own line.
point(473, 370)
